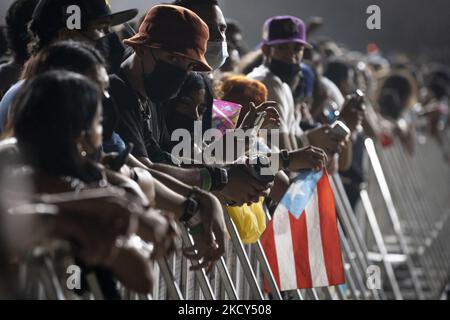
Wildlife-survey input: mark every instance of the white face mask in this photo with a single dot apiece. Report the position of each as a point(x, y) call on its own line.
point(216, 53)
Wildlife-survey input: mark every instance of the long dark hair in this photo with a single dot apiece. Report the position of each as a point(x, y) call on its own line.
point(52, 112)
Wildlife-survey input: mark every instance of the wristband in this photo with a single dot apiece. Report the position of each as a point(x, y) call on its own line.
point(285, 158)
point(219, 178)
point(206, 179)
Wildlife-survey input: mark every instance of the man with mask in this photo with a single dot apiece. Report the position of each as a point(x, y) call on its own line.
point(284, 40)
point(96, 20)
point(171, 42)
point(210, 12)
point(216, 51)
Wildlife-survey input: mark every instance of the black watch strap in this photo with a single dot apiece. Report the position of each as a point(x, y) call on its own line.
point(219, 178)
point(190, 209)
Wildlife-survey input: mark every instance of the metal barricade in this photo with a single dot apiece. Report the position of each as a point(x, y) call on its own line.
point(401, 226)
point(408, 196)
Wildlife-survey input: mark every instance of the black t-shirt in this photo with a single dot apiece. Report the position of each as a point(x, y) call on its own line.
point(139, 120)
point(209, 99)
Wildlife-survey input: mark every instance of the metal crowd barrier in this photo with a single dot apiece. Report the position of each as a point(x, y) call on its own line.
point(401, 227)
point(411, 197)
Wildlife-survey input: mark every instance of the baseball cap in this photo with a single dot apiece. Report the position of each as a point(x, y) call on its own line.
point(52, 14)
point(174, 29)
point(284, 29)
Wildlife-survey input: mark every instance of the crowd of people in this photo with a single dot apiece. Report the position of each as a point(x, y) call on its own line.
point(88, 116)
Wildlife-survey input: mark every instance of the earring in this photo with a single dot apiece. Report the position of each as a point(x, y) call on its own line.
point(81, 151)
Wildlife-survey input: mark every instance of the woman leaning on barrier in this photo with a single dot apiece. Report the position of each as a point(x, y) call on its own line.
point(59, 134)
point(58, 130)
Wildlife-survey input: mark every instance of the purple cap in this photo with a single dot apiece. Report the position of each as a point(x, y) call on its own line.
point(284, 29)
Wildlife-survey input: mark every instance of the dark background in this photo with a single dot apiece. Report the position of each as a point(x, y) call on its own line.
point(411, 26)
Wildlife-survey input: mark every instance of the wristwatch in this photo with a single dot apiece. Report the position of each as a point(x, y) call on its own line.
point(190, 209)
point(285, 157)
point(219, 178)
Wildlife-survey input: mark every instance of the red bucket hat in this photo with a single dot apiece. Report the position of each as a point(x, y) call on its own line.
point(175, 29)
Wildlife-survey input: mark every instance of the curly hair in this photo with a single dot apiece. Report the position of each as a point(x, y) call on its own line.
point(242, 90)
point(17, 19)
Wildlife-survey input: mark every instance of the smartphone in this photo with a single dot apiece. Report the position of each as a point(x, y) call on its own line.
point(254, 133)
point(122, 158)
point(360, 95)
point(339, 128)
point(260, 117)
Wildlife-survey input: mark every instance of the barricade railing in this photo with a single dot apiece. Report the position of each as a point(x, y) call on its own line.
point(401, 227)
point(411, 193)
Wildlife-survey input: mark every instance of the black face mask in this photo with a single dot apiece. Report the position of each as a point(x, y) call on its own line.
point(112, 50)
point(164, 82)
point(287, 72)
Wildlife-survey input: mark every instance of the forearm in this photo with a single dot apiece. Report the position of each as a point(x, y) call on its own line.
point(170, 182)
point(189, 176)
point(345, 157)
point(179, 180)
point(285, 141)
point(302, 140)
point(295, 163)
point(42, 227)
point(141, 162)
point(167, 199)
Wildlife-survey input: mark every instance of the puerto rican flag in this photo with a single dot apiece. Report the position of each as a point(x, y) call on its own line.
point(301, 241)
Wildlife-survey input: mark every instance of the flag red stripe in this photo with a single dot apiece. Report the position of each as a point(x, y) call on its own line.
point(268, 244)
point(300, 246)
point(329, 233)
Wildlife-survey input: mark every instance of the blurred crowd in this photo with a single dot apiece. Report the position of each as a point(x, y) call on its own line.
point(88, 116)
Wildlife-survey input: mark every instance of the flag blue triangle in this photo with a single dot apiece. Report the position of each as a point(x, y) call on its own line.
point(300, 191)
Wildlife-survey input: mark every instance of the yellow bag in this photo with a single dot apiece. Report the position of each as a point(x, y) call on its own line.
point(250, 221)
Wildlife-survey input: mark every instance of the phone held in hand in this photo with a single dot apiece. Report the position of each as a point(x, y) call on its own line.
point(340, 129)
point(260, 117)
